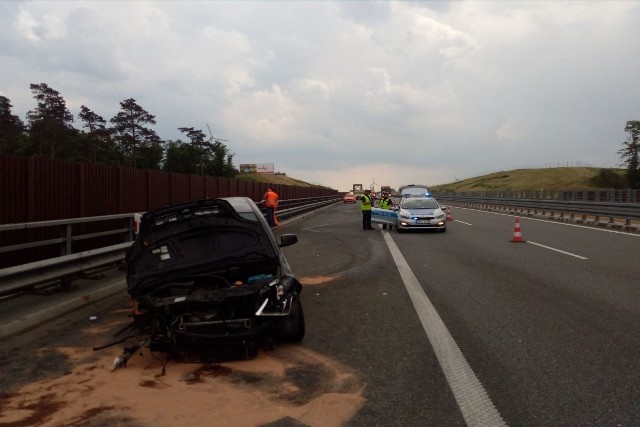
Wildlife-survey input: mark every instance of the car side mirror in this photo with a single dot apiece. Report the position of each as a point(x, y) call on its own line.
point(288, 240)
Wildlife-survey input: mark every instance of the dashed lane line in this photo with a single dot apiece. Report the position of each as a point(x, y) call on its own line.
point(556, 250)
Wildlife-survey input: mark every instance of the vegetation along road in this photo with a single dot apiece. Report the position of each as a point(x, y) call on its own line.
point(412, 329)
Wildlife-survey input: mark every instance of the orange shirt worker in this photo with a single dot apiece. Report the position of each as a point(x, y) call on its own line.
point(270, 200)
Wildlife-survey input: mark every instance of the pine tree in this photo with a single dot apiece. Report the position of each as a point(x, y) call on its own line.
point(138, 145)
point(50, 122)
point(12, 129)
point(630, 153)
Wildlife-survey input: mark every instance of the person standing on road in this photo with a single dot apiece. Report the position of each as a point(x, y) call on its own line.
point(270, 200)
point(365, 205)
point(386, 203)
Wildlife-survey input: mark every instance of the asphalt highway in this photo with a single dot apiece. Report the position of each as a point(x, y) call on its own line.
point(548, 327)
point(456, 328)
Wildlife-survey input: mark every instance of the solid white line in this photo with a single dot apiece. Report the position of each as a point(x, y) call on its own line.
point(475, 405)
point(557, 250)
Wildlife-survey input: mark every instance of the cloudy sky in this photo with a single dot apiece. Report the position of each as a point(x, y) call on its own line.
point(346, 92)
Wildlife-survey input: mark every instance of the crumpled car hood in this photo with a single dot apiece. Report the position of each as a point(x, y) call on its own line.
point(172, 243)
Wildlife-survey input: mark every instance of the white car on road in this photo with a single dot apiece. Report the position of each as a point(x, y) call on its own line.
point(413, 213)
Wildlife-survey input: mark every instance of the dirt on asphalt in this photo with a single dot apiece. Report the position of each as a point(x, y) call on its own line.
point(51, 376)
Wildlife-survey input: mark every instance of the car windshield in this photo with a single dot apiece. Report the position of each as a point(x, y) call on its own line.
point(419, 203)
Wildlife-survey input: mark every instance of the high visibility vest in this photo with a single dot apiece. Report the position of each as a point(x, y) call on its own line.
point(270, 199)
point(365, 198)
point(385, 203)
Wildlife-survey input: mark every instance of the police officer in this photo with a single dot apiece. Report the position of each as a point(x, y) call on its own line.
point(365, 205)
point(386, 203)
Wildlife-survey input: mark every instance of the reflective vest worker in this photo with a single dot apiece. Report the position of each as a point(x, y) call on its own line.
point(365, 206)
point(386, 203)
point(270, 200)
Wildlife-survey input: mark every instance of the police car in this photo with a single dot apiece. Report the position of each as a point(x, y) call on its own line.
point(416, 211)
point(414, 190)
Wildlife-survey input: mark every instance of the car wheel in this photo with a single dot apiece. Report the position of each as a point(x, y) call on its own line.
point(293, 327)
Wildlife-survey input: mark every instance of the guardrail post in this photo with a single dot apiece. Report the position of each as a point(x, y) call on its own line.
point(66, 248)
point(129, 223)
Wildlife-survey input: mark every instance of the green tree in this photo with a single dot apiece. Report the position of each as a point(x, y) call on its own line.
point(608, 178)
point(138, 145)
point(96, 144)
point(197, 150)
point(221, 161)
point(12, 129)
point(204, 156)
point(630, 153)
point(150, 156)
point(181, 157)
point(50, 128)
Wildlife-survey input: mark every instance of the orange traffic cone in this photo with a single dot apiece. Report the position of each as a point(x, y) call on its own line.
point(449, 217)
point(517, 234)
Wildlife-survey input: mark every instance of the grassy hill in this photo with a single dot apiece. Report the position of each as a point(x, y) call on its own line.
point(568, 178)
point(275, 179)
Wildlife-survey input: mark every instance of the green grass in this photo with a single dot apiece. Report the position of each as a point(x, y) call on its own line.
point(275, 179)
point(567, 178)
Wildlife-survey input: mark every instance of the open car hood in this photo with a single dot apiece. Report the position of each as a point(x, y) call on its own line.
point(193, 238)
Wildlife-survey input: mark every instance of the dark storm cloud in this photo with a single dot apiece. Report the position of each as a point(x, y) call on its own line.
point(330, 91)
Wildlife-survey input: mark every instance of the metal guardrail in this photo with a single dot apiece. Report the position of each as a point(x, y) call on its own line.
point(627, 195)
point(70, 265)
point(23, 277)
point(612, 211)
point(294, 207)
point(65, 243)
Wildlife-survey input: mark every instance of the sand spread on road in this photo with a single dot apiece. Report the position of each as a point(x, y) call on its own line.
point(289, 382)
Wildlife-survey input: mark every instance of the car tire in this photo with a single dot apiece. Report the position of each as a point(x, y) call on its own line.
point(293, 327)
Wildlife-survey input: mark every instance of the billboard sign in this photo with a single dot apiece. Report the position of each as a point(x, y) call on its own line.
point(266, 168)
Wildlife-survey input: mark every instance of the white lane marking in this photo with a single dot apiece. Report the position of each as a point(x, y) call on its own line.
point(475, 405)
point(557, 250)
point(462, 222)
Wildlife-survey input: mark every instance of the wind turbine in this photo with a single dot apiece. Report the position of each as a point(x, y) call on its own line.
point(211, 138)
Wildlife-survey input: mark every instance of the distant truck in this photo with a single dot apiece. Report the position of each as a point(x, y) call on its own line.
point(385, 189)
point(414, 190)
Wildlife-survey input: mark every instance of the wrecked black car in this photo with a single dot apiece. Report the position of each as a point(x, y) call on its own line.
point(209, 282)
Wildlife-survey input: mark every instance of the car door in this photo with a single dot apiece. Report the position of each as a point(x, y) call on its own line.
point(384, 216)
